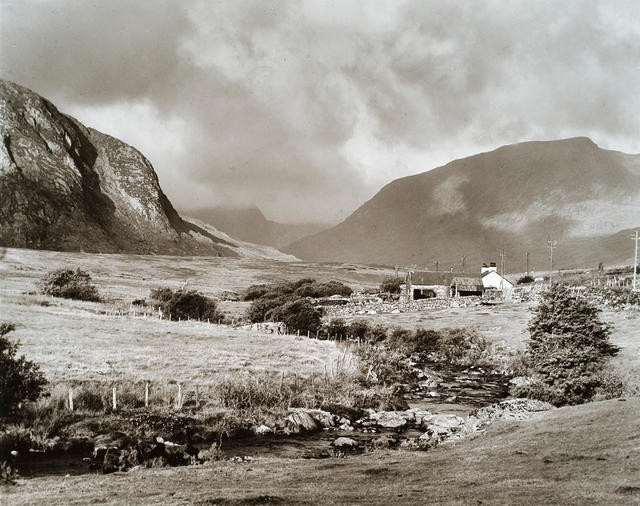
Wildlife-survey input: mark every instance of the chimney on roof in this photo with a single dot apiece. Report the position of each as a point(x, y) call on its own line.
point(492, 268)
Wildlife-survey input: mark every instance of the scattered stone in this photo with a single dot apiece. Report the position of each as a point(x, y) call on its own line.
point(263, 430)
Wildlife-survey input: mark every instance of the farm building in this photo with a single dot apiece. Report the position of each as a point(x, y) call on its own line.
point(426, 284)
point(491, 279)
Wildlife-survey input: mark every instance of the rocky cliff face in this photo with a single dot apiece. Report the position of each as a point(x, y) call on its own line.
point(67, 187)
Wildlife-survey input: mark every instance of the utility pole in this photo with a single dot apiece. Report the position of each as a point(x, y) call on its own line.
point(437, 265)
point(502, 262)
point(552, 244)
point(464, 259)
point(527, 273)
point(635, 260)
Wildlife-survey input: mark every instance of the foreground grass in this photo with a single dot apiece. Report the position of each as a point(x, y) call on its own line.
point(587, 454)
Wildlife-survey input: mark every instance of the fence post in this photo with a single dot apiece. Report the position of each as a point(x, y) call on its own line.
point(70, 399)
point(146, 395)
point(115, 399)
point(179, 399)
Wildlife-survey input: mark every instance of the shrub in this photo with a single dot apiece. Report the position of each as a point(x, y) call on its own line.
point(568, 350)
point(380, 364)
point(161, 294)
point(336, 329)
point(297, 315)
point(186, 304)
point(259, 309)
point(525, 279)
point(20, 379)
point(426, 340)
point(462, 346)
point(69, 284)
point(358, 329)
point(400, 339)
point(391, 285)
point(376, 334)
point(255, 292)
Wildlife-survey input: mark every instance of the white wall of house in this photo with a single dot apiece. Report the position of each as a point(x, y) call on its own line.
point(494, 280)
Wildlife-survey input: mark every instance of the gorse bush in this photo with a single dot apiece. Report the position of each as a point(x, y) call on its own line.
point(69, 284)
point(185, 304)
point(525, 279)
point(569, 349)
point(20, 379)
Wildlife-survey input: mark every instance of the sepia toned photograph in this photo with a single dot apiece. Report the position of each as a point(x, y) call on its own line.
point(377, 252)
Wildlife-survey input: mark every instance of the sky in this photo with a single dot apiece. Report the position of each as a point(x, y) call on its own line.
point(307, 108)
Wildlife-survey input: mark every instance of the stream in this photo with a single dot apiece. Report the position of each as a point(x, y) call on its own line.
point(459, 390)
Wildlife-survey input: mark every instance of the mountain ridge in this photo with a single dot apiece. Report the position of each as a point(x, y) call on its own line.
point(511, 198)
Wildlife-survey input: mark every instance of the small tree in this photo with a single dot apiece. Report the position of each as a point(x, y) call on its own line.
point(568, 350)
point(69, 284)
point(391, 285)
point(20, 379)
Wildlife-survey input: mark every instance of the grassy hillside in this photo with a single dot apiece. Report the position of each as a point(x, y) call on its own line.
point(513, 198)
point(579, 455)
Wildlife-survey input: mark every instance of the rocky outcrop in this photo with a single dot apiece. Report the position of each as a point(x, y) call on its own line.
point(67, 187)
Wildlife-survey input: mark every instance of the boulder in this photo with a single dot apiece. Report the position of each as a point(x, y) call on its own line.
point(345, 443)
point(389, 419)
point(300, 421)
point(446, 420)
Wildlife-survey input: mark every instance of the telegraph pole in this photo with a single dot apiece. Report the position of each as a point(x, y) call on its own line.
point(502, 262)
point(635, 260)
point(527, 273)
point(552, 244)
point(437, 265)
point(464, 259)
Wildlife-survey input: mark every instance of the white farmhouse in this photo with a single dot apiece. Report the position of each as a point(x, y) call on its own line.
point(492, 279)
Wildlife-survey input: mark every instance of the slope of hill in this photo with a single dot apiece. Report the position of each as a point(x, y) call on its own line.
point(249, 224)
point(67, 187)
point(514, 198)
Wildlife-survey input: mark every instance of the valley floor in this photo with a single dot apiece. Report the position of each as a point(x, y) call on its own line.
point(587, 454)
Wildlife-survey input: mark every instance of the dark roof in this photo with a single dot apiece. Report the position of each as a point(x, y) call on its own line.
point(433, 278)
point(467, 281)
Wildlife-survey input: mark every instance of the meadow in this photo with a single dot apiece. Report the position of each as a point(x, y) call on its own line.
point(114, 343)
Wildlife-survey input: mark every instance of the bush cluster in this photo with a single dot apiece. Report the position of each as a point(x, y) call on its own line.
point(305, 287)
point(525, 280)
point(462, 346)
point(289, 302)
point(185, 304)
point(69, 284)
point(20, 379)
point(568, 350)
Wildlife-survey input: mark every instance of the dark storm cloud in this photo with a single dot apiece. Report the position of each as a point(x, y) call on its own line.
point(307, 108)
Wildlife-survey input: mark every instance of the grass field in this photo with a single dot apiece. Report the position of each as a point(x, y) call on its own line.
point(588, 454)
point(583, 455)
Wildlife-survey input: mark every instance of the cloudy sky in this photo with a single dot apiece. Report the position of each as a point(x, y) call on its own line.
point(307, 108)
